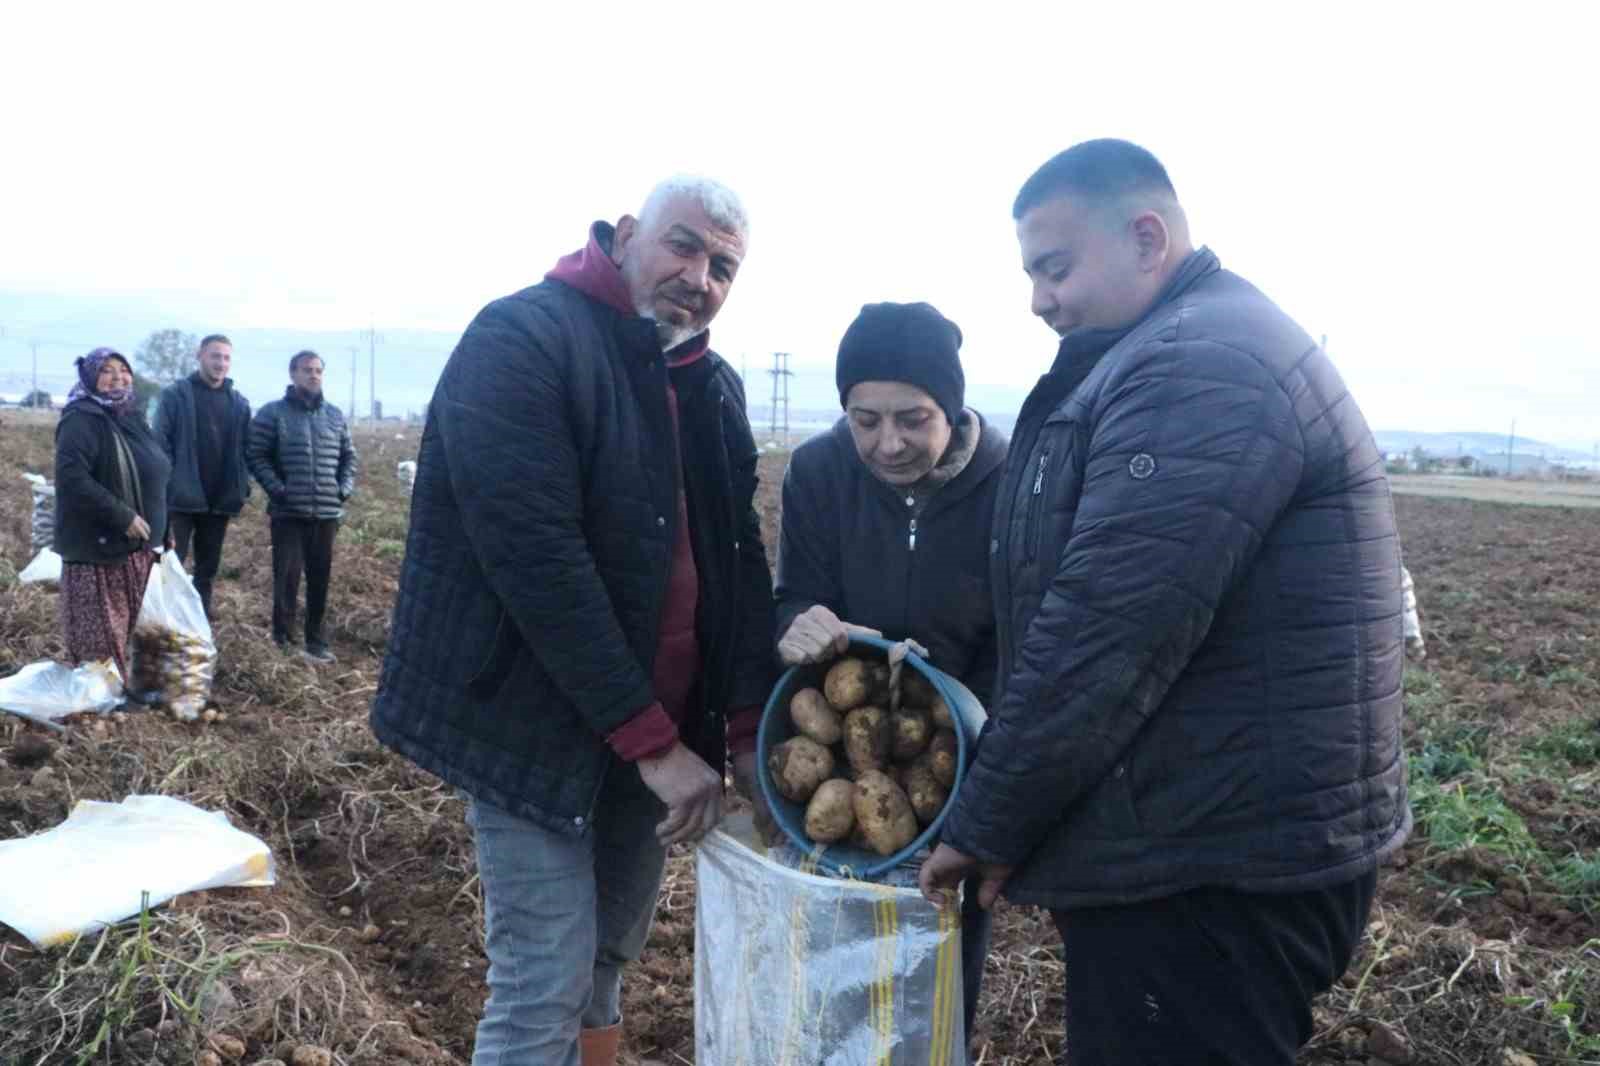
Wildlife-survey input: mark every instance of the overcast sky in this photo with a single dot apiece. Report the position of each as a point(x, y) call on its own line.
point(1416, 181)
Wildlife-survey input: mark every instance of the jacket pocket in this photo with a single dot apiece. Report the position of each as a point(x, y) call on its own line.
point(502, 657)
point(1052, 480)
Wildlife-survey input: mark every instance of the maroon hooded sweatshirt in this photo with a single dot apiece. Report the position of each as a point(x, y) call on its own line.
point(655, 728)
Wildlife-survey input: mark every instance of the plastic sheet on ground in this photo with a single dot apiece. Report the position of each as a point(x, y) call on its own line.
point(796, 969)
point(95, 868)
point(46, 567)
point(47, 691)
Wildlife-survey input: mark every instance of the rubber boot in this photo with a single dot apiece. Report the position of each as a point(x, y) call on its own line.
point(598, 1047)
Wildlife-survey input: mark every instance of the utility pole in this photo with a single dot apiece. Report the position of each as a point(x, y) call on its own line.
point(35, 346)
point(780, 387)
point(1511, 443)
point(372, 374)
point(355, 365)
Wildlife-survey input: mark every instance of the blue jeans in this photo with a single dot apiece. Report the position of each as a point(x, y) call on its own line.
point(564, 916)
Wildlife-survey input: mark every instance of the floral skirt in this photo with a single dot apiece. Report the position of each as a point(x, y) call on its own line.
point(99, 606)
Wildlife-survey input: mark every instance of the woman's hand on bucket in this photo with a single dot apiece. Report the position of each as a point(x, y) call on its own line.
point(817, 635)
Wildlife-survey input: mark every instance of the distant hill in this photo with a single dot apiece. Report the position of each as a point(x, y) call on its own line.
point(408, 361)
point(1479, 445)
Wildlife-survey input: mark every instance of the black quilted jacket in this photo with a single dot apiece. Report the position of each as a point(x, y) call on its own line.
point(525, 628)
point(1197, 579)
point(848, 543)
point(302, 455)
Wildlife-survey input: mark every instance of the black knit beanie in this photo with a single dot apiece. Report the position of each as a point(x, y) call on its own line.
point(912, 343)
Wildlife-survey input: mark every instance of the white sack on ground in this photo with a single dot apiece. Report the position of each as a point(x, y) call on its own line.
point(46, 567)
point(46, 691)
point(93, 869)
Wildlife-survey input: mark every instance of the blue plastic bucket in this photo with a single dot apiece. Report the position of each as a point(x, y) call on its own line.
point(844, 859)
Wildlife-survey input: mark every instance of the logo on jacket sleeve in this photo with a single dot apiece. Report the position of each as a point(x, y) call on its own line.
point(1141, 466)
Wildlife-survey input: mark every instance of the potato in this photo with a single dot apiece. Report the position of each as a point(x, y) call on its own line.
point(927, 795)
point(813, 717)
point(867, 738)
point(942, 757)
point(883, 812)
point(916, 690)
point(910, 734)
point(848, 684)
point(831, 813)
point(798, 766)
point(939, 711)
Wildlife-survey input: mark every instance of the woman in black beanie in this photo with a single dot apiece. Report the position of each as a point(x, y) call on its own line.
point(886, 522)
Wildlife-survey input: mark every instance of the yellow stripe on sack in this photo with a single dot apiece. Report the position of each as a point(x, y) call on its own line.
point(888, 935)
point(943, 990)
point(940, 996)
point(874, 1009)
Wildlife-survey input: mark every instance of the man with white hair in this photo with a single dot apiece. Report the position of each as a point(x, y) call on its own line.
point(584, 622)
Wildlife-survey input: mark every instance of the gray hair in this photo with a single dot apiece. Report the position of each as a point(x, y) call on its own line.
point(718, 201)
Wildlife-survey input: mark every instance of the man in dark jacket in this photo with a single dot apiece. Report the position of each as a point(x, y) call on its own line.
point(886, 527)
point(585, 601)
point(202, 423)
point(301, 453)
point(1194, 755)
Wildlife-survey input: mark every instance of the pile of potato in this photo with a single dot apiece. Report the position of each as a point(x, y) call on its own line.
point(177, 665)
point(866, 774)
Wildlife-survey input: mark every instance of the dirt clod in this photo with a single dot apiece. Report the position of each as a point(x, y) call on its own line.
point(1389, 1046)
point(30, 750)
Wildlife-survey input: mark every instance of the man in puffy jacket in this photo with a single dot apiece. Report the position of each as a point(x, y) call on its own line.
point(585, 603)
point(202, 423)
point(1194, 755)
point(301, 453)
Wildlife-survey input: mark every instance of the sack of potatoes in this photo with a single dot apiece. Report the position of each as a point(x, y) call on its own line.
point(845, 772)
point(177, 665)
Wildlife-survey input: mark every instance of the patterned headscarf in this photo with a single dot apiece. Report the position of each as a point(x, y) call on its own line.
point(119, 401)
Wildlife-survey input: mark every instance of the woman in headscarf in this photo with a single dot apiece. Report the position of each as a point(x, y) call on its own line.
point(111, 510)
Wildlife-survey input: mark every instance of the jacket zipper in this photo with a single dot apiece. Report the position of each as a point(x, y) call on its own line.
point(1033, 524)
